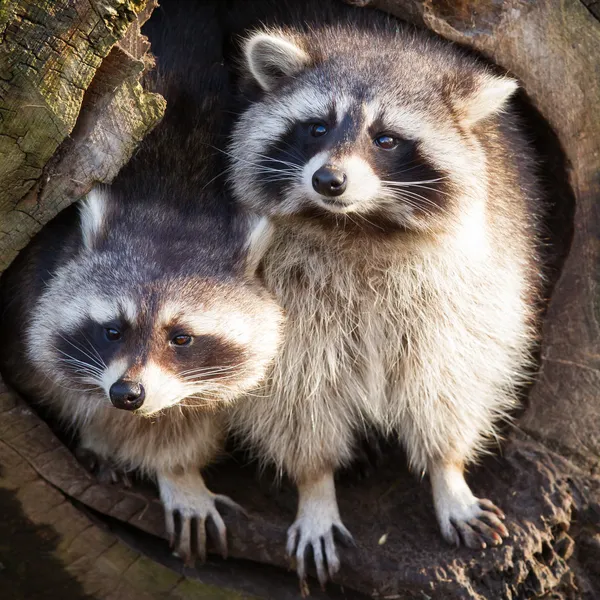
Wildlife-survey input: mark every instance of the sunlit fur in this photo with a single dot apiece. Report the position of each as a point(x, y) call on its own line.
point(413, 316)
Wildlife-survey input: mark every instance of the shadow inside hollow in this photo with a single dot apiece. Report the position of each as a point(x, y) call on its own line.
point(29, 567)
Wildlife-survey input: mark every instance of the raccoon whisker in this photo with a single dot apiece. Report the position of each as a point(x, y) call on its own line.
point(409, 197)
point(205, 373)
point(280, 175)
point(210, 369)
point(424, 187)
point(70, 360)
point(412, 162)
point(73, 389)
point(93, 385)
point(263, 168)
point(223, 172)
point(199, 376)
point(277, 180)
point(293, 151)
point(362, 217)
point(221, 367)
point(82, 350)
point(406, 194)
point(411, 203)
point(258, 168)
point(203, 376)
point(93, 349)
point(86, 373)
point(413, 183)
point(278, 160)
point(205, 381)
point(272, 170)
point(249, 162)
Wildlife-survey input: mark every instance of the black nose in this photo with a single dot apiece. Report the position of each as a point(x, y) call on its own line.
point(127, 395)
point(329, 181)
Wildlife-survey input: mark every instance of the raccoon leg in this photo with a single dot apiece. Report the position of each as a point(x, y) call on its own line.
point(185, 493)
point(462, 516)
point(317, 519)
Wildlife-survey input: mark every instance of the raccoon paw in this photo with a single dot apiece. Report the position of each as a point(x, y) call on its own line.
point(316, 531)
point(475, 525)
point(188, 502)
point(103, 469)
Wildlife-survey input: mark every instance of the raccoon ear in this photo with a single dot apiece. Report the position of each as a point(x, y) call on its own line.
point(489, 96)
point(93, 211)
point(272, 57)
point(260, 233)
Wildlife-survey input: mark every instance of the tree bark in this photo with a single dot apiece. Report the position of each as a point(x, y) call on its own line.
point(71, 106)
point(71, 112)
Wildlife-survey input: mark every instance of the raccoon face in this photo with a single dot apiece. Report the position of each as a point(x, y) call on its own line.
point(127, 336)
point(145, 354)
point(358, 133)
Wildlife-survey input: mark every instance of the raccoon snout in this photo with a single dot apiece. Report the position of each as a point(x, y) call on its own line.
point(329, 181)
point(127, 395)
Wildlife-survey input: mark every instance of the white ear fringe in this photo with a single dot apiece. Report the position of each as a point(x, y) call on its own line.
point(269, 58)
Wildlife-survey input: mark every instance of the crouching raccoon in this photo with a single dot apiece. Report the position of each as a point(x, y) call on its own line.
point(135, 317)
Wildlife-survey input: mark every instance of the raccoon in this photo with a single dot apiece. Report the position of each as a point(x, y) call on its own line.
point(135, 317)
point(401, 238)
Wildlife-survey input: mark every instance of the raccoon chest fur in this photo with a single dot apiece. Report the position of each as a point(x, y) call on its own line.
point(389, 333)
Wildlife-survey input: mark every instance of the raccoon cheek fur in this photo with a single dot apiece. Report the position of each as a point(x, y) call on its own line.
point(413, 310)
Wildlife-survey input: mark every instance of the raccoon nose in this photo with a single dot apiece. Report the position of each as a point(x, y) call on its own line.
point(329, 181)
point(127, 395)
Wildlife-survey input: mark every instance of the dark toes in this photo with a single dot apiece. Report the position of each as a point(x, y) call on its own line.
point(470, 537)
point(344, 536)
point(488, 505)
point(494, 522)
point(487, 532)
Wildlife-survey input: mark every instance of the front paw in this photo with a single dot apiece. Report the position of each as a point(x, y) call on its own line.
point(316, 531)
point(103, 469)
point(475, 524)
point(188, 501)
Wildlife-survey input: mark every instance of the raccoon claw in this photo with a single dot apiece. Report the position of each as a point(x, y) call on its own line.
point(191, 501)
point(305, 534)
point(477, 526)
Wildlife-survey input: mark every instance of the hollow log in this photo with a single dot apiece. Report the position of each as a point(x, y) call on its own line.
point(71, 113)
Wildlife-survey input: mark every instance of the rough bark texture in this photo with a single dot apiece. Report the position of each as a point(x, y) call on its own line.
point(71, 107)
point(71, 111)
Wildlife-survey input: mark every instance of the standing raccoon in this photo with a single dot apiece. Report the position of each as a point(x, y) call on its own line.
point(143, 303)
point(400, 216)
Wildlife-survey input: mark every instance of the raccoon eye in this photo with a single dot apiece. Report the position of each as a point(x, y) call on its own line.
point(112, 334)
point(386, 142)
point(182, 340)
point(318, 129)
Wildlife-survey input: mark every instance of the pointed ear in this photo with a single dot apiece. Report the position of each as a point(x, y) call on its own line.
point(93, 211)
point(488, 96)
point(270, 58)
point(260, 233)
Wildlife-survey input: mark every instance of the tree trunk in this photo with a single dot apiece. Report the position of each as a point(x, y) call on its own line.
point(72, 109)
point(71, 113)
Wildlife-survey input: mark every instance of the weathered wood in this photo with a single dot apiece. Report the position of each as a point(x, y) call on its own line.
point(71, 107)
